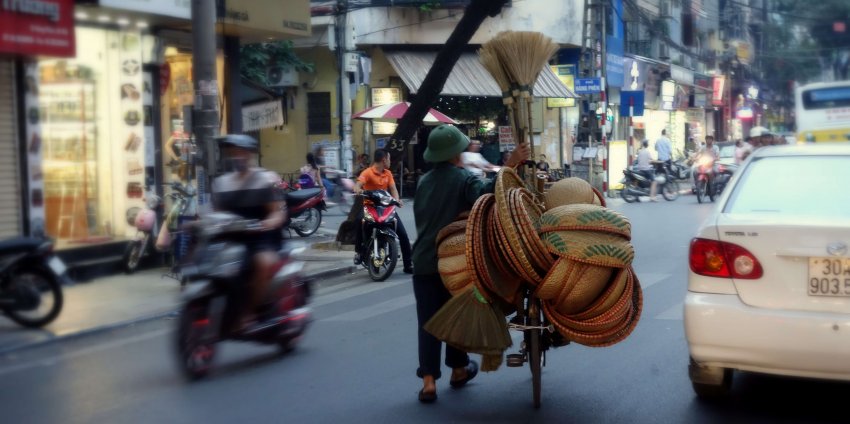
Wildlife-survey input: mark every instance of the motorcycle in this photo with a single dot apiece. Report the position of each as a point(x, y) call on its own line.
point(145, 222)
point(704, 178)
point(31, 278)
point(380, 241)
point(636, 184)
point(679, 169)
point(723, 173)
point(213, 300)
point(304, 209)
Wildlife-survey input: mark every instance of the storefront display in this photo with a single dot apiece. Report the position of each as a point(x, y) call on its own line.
point(87, 143)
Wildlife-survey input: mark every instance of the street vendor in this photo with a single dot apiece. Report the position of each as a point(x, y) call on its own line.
point(442, 194)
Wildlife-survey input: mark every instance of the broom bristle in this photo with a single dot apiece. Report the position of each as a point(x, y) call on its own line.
point(490, 362)
point(469, 323)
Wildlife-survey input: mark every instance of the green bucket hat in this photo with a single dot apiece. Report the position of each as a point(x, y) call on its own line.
point(444, 143)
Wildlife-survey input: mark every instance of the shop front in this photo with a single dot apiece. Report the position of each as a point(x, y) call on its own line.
point(25, 32)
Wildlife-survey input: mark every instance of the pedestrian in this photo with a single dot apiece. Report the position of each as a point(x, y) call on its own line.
point(506, 155)
point(310, 176)
point(379, 177)
point(362, 163)
point(443, 193)
point(319, 154)
point(664, 149)
point(644, 166)
point(474, 162)
point(742, 150)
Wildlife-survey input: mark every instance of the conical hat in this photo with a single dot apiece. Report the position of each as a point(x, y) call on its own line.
point(590, 247)
point(569, 191)
point(586, 218)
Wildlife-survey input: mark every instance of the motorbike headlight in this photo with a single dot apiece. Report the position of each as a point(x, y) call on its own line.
point(226, 260)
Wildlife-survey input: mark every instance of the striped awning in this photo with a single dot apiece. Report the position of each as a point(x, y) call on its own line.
point(468, 77)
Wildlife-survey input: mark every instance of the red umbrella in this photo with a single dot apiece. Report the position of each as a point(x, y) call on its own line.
point(394, 111)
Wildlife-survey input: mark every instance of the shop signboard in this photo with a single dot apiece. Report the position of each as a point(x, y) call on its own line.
point(567, 74)
point(588, 85)
point(37, 28)
point(614, 48)
point(262, 115)
point(263, 19)
point(173, 8)
point(506, 139)
point(718, 86)
point(383, 96)
point(330, 150)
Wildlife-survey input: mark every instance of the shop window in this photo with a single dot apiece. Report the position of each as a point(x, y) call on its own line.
point(319, 113)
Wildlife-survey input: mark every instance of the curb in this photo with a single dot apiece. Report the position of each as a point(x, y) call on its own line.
point(328, 273)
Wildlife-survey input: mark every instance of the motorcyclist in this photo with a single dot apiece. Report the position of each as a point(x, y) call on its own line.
point(709, 150)
point(249, 191)
point(379, 177)
point(644, 166)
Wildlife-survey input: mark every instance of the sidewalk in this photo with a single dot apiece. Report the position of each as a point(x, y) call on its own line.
point(120, 300)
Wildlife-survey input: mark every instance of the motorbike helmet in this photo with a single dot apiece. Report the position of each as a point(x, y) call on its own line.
point(241, 141)
point(145, 219)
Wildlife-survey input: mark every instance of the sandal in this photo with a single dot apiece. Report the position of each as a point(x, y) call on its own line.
point(427, 397)
point(471, 372)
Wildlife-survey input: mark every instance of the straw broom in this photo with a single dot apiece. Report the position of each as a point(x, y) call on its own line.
point(490, 60)
point(523, 55)
point(471, 323)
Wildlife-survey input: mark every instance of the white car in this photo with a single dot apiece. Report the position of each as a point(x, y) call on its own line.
point(769, 281)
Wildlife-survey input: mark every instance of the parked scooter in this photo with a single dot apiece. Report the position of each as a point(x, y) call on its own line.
point(304, 209)
point(213, 301)
point(636, 184)
point(145, 222)
point(380, 241)
point(31, 278)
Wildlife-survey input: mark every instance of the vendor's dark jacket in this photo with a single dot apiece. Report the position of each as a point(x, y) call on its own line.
point(441, 195)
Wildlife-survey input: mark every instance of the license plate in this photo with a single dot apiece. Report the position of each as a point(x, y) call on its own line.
point(57, 265)
point(829, 277)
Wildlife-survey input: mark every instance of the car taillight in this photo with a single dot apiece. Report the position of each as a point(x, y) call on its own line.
point(715, 258)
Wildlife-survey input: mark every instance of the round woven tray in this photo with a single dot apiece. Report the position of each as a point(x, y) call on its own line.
point(505, 181)
point(573, 286)
point(526, 217)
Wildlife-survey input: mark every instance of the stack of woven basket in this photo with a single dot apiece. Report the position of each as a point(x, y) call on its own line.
point(572, 251)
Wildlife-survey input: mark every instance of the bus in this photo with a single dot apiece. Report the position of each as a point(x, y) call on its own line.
point(823, 111)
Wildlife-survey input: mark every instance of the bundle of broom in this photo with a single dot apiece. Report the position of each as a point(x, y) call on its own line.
point(521, 55)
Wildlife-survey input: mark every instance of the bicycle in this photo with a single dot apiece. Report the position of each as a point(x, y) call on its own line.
point(537, 339)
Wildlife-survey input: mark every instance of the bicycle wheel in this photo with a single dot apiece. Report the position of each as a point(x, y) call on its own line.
point(535, 356)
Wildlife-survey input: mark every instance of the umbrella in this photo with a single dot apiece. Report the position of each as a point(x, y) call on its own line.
point(394, 111)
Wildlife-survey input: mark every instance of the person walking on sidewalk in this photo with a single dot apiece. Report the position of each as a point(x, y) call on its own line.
point(379, 177)
point(442, 194)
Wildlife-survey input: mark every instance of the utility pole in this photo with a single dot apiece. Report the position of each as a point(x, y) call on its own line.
point(592, 65)
point(205, 119)
point(344, 104)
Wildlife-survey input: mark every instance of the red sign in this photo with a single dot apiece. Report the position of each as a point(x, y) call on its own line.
point(839, 27)
point(718, 88)
point(37, 27)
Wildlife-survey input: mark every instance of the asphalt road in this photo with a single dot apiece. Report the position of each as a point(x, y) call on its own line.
point(357, 364)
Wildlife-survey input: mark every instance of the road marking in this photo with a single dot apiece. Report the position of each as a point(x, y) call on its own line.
point(675, 313)
point(53, 360)
point(361, 289)
point(374, 310)
point(648, 279)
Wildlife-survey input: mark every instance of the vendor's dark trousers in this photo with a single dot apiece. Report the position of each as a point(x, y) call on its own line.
point(403, 240)
point(431, 295)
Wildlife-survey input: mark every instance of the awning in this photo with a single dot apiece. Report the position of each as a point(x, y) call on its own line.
point(469, 77)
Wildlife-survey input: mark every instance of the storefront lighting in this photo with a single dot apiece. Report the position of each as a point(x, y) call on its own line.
point(81, 15)
point(104, 18)
point(123, 21)
point(141, 24)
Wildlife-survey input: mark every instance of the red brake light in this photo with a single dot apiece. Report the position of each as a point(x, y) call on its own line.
point(714, 258)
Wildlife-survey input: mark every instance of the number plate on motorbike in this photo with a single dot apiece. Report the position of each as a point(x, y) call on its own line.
point(829, 277)
point(57, 265)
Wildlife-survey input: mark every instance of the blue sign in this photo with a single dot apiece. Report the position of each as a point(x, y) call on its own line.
point(588, 85)
point(614, 47)
point(381, 143)
point(633, 99)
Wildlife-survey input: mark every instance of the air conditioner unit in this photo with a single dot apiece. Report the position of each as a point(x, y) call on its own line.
point(282, 76)
point(663, 51)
